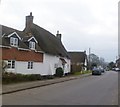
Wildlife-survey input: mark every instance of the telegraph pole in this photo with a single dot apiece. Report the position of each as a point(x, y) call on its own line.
point(89, 58)
point(119, 38)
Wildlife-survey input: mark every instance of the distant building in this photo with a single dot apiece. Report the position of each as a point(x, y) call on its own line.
point(33, 50)
point(78, 61)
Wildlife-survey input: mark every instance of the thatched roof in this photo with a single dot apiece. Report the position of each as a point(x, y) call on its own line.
point(48, 42)
point(78, 57)
point(6, 41)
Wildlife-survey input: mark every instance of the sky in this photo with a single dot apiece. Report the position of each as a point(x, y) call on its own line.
point(83, 24)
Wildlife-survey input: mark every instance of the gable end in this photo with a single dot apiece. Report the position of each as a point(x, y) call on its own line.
point(14, 34)
point(33, 39)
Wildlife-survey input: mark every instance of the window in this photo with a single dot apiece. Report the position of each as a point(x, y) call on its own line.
point(14, 41)
point(11, 64)
point(32, 45)
point(30, 65)
point(56, 65)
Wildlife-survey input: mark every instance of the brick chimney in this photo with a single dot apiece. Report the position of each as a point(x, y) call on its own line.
point(29, 20)
point(58, 35)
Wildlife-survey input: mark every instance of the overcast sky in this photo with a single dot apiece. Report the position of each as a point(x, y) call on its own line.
point(83, 24)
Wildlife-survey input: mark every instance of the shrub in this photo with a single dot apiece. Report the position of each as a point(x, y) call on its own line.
point(59, 72)
point(44, 77)
point(50, 77)
point(8, 77)
point(33, 77)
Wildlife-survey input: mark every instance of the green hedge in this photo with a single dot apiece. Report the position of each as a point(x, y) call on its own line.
point(8, 77)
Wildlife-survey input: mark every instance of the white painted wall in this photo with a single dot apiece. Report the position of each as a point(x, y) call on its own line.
point(85, 68)
point(47, 67)
point(50, 61)
point(22, 67)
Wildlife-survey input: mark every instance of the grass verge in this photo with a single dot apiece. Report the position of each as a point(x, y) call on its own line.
point(82, 72)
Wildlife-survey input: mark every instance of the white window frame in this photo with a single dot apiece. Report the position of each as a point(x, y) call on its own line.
point(15, 34)
point(11, 64)
point(30, 65)
point(32, 45)
point(13, 41)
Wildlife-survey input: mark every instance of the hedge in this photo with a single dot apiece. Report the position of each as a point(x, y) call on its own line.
point(9, 77)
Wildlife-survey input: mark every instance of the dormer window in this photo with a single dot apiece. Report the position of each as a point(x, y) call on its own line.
point(32, 45)
point(13, 41)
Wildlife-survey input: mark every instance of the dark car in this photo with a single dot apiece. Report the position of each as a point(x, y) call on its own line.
point(96, 71)
point(102, 70)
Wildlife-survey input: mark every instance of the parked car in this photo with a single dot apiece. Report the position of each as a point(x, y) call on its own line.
point(117, 69)
point(96, 71)
point(102, 70)
point(114, 69)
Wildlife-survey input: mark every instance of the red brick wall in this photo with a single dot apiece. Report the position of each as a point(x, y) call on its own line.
point(21, 55)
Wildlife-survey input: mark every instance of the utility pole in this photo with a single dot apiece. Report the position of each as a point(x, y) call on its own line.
point(89, 64)
point(119, 29)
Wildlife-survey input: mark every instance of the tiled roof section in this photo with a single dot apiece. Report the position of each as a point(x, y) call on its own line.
point(47, 41)
point(77, 57)
point(21, 55)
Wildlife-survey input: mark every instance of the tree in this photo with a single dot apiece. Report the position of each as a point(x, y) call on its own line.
point(111, 65)
point(96, 61)
point(102, 62)
point(93, 61)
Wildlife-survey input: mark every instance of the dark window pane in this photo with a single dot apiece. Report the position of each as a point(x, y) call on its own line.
point(13, 64)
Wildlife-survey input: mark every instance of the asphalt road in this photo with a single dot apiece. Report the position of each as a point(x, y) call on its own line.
point(91, 90)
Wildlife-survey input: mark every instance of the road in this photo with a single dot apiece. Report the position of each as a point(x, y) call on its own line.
point(91, 90)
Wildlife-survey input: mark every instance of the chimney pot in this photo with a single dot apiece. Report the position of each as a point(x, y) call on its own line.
point(58, 35)
point(58, 32)
point(30, 13)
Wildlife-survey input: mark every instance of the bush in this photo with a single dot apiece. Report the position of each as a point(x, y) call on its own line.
point(50, 77)
point(8, 77)
point(59, 72)
point(44, 77)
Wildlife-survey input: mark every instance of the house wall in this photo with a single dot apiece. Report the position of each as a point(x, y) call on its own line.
point(22, 67)
point(52, 62)
point(76, 67)
point(118, 63)
point(47, 67)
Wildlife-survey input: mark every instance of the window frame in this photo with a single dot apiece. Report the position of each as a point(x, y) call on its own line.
point(11, 64)
point(14, 41)
point(30, 65)
point(32, 45)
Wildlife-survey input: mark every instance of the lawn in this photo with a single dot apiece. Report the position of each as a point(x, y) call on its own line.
point(82, 72)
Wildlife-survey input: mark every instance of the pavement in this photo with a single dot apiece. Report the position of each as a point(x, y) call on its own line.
point(11, 88)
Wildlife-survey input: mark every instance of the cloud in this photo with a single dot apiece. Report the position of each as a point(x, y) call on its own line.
point(83, 23)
